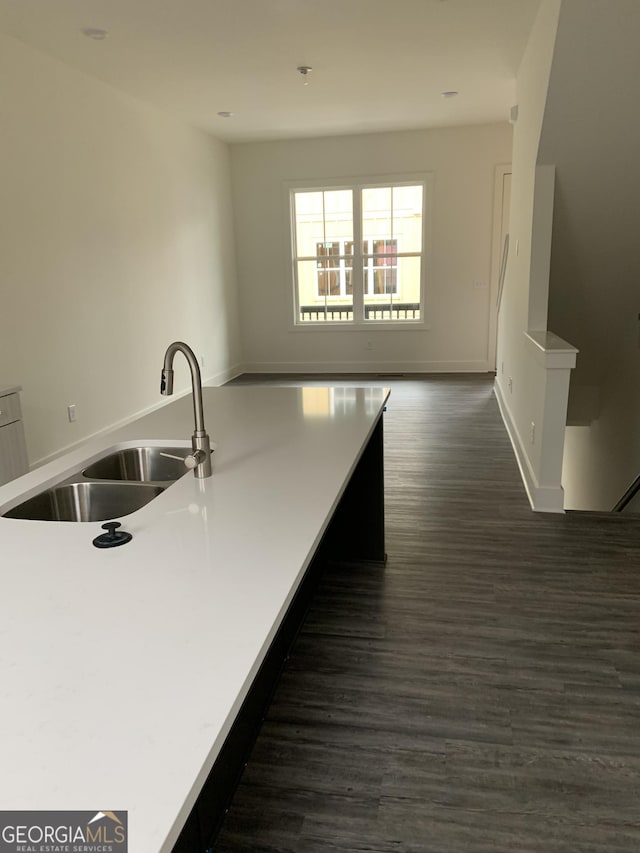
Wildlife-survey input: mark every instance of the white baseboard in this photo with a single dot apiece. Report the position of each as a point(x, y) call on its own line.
point(224, 376)
point(541, 498)
point(368, 367)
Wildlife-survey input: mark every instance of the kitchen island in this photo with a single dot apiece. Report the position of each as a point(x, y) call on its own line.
point(123, 671)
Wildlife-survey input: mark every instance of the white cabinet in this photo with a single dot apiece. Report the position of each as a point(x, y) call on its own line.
point(13, 448)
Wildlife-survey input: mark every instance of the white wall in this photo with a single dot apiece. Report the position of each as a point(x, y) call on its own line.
point(602, 457)
point(522, 381)
point(591, 132)
point(463, 161)
point(116, 238)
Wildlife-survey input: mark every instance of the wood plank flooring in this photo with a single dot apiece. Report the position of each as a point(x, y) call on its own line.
point(479, 693)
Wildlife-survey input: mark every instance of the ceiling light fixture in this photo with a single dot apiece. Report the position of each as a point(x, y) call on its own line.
point(450, 94)
point(95, 33)
point(304, 71)
point(225, 114)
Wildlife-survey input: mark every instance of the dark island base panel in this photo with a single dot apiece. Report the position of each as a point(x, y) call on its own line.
point(355, 534)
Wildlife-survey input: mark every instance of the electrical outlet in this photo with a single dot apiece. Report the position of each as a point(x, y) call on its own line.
point(502, 367)
point(532, 435)
point(510, 385)
point(71, 413)
point(369, 344)
point(202, 362)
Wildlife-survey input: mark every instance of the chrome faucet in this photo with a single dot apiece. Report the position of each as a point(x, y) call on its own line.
point(200, 459)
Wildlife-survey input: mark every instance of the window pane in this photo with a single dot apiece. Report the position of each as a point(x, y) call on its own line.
point(338, 213)
point(328, 279)
point(321, 292)
point(376, 213)
point(329, 250)
point(392, 289)
point(407, 218)
point(380, 270)
point(335, 268)
point(393, 213)
point(382, 249)
point(338, 205)
point(385, 280)
point(380, 280)
point(309, 222)
point(322, 217)
point(348, 274)
point(409, 279)
point(307, 282)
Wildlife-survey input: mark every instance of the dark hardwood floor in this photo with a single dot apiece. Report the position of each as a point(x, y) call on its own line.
point(479, 693)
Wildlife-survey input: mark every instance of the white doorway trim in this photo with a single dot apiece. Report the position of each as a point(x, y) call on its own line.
point(501, 206)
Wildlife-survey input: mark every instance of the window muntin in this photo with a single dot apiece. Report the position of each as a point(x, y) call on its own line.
point(378, 250)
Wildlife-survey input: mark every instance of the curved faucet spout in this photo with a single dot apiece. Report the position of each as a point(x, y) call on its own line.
point(200, 440)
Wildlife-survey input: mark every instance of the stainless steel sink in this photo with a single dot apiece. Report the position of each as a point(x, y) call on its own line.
point(140, 464)
point(86, 501)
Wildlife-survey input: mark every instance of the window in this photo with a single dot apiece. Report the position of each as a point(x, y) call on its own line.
point(358, 254)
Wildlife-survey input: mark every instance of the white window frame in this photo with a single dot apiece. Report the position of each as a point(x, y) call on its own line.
point(358, 184)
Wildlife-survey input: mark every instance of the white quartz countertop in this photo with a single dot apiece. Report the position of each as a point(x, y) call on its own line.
point(122, 670)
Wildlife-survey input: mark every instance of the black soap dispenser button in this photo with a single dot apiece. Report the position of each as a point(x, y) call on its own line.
point(113, 537)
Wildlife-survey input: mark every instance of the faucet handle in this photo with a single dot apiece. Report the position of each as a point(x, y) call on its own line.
point(191, 461)
point(194, 459)
point(171, 456)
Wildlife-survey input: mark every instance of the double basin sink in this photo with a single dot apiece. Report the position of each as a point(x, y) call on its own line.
point(119, 483)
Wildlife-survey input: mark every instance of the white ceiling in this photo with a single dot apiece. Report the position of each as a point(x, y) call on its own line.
point(377, 64)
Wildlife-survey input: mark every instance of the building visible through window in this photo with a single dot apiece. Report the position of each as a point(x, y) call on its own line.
point(335, 268)
point(381, 270)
